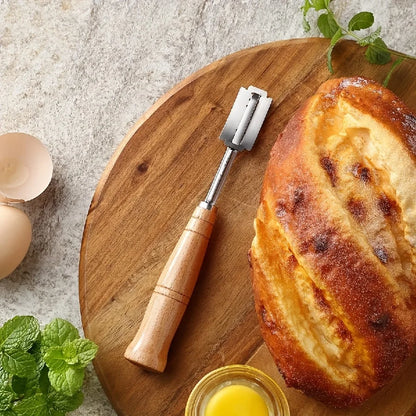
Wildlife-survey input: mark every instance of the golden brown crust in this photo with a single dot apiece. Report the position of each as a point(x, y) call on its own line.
point(380, 102)
point(334, 254)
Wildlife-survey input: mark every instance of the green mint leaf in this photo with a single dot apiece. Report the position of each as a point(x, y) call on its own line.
point(327, 25)
point(362, 20)
point(80, 352)
point(44, 383)
point(306, 25)
point(4, 376)
point(58, 332)
point(32, 385)
point(19, 363)
point(337, 36)
point(55, 359)
point(67, 382)
point(36, 352)
point(25, 386)
point(19, 385)
point(32, 406)
point(6, 398)
point(62, 403)
point(305, 8)
point(377, 52)
point(319, 4)
point(53, 412)
point(19, 333)
point(366, 40)
point(70, 352)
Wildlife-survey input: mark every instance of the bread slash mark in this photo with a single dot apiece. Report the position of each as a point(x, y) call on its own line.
point(361, 172)
point(357, 209)
point(330, 167)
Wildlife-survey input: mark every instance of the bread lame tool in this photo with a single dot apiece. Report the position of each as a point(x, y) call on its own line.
point(174, 288)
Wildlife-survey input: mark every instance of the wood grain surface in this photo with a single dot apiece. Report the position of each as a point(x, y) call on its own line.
point(173, 291)
point(159, 173)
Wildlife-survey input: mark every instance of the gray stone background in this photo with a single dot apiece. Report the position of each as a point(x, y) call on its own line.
point(78, 73)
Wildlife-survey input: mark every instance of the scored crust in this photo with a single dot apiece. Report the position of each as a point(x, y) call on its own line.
point(333, 258)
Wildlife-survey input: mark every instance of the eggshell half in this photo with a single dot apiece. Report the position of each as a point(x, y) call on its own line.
point(15, 237)
point(25, 167)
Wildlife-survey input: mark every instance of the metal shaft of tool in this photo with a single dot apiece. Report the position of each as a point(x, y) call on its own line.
point(219, 178)
point(230, 154)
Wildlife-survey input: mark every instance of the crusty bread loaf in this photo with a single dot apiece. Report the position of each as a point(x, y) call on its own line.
point(333, 257)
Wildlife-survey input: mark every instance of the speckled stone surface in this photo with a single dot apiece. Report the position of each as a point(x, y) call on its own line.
point(78, 73)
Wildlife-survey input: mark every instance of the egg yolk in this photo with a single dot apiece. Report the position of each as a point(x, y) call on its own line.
point(236, 400)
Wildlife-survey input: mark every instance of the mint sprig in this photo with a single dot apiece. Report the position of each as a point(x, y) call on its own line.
point(328, 24)
point(42, 372)
point(19, 333)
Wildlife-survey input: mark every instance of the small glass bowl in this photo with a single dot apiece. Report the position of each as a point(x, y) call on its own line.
point(237, 374)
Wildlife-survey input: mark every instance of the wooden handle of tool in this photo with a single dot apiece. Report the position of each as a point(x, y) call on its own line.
point(171, 295)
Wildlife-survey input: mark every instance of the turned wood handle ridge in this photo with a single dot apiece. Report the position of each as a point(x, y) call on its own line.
point(172, 293)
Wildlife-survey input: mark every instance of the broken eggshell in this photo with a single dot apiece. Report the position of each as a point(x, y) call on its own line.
point(25, 172)
point(16, 232)
point(25, 167)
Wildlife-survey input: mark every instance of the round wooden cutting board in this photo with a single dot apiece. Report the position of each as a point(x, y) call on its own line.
point(146, 195)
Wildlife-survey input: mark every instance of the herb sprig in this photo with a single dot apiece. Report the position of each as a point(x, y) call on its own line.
point(42, 372)
point(328, 24)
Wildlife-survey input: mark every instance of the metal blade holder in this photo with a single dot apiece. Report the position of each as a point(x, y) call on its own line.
point(173, 290)
point(239, 133)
